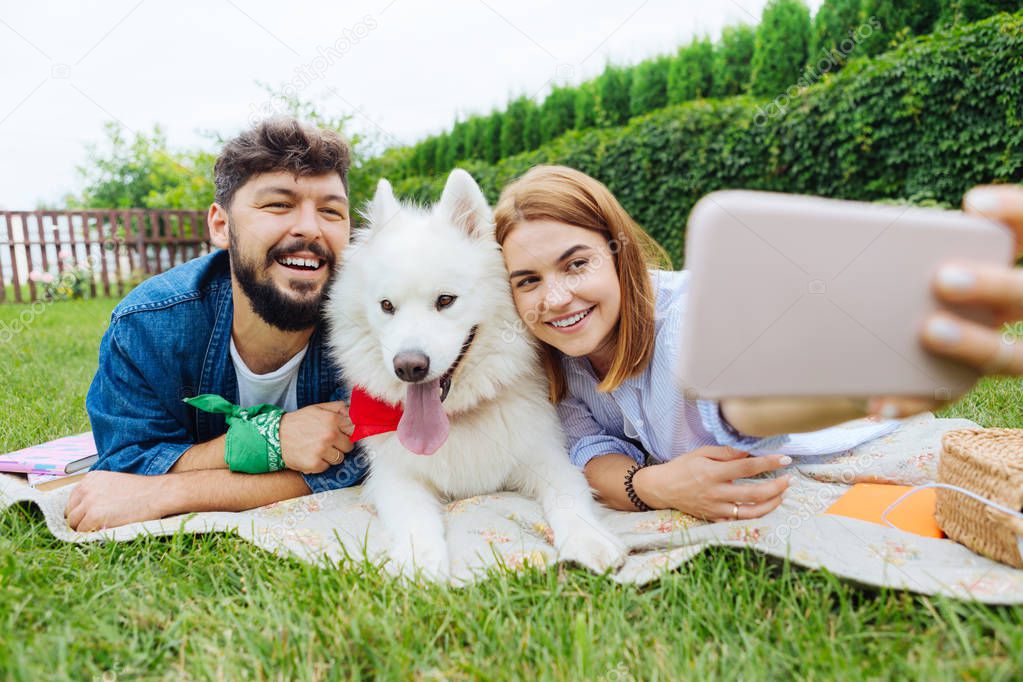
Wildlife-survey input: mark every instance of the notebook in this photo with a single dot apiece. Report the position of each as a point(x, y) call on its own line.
point(63, 456)
point(53, 481)
point(867, 502)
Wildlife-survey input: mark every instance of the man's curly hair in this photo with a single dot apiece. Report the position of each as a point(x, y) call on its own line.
point(279, 144)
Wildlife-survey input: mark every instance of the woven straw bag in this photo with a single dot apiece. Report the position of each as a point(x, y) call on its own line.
point(988, 462)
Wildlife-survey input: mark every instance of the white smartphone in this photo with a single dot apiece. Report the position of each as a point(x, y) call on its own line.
point(804, 296)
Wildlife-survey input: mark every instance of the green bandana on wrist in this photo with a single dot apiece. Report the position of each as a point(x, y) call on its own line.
point(253, 443)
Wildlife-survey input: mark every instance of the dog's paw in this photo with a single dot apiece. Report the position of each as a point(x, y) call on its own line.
point(596, 550)
point(427, 560)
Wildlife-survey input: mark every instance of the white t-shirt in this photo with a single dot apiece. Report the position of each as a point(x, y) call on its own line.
point(279, 387)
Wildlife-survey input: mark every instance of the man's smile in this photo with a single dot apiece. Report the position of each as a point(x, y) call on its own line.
point(301, 263)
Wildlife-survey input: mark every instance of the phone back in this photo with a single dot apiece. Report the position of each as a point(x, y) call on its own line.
point(804, 296)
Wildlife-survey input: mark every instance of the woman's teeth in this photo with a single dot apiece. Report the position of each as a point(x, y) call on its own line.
point(569, 321)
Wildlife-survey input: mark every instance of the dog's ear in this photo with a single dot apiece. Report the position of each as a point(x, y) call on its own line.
point(383, 206)
point(464, 205)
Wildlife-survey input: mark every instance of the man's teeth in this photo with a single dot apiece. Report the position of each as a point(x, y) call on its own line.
point(311, 263)
point(569, 321)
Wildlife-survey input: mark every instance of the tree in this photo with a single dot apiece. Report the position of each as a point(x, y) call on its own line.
point(587, 106)
point(474, 129)
point(392, 163)
point(513, 123)
point(429, 155)
point(613, 94)
point(781, 47)
point(833, 38)
point(456, 143)
point(732, 61)
point(691, 73)
point(968, 11)
point(492, 137)
point(649, 85)
point(143, 172)
point(417, 162)
point(531, 138)
point(442, 153)
point(557, 113)
point(898, 21)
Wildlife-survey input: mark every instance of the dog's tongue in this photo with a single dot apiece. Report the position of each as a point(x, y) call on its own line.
point(424, 426)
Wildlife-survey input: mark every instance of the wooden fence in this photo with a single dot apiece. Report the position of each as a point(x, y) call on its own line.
point(103, 253)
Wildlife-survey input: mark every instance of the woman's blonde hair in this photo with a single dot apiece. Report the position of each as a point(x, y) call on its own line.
point(565, 195)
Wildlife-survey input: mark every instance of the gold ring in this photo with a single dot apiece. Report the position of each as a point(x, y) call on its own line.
point(339, 458)
point(735, 511)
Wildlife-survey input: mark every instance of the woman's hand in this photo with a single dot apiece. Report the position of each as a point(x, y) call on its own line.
point(988, 348)
point(763, 417)
point(701, 483)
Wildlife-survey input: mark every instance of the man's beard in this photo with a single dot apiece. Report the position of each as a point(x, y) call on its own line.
point(273, 306)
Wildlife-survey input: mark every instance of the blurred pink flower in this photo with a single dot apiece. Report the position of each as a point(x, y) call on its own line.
point(47, 278)
point(35, 275)
point(64, 254)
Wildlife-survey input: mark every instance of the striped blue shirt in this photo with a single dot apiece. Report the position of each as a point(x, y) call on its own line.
point(649, 415)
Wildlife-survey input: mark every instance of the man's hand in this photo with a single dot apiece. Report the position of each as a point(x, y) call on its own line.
point(104, 499)
point(316, 437)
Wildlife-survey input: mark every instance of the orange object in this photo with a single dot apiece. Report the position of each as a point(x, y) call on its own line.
point(867, 501)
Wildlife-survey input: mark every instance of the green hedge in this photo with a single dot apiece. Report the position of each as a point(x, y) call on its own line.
point(762, 61)
point(924, 123)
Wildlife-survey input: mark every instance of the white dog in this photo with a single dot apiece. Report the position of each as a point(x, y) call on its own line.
point(421, 315)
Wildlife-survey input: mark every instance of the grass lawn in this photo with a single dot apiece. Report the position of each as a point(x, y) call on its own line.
point(218, 607)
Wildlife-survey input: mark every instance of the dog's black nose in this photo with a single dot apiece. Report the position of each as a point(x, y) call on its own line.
point(411, 365)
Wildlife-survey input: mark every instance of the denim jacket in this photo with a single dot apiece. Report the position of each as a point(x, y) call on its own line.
point(169, 339)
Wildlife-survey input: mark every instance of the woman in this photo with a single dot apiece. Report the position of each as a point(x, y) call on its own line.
point(609, 326)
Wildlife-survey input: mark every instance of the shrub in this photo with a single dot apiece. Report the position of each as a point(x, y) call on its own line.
point(557, 113)
point(927, 121)
point(833, 27)
point(613, 94)
point(649, 89)
point(781, 47)
point(691, 74)
point(732, 61)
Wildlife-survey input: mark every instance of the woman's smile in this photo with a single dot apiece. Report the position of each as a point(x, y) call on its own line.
point(571, 323)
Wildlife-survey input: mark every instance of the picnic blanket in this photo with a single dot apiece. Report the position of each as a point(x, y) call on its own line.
point(508, 529)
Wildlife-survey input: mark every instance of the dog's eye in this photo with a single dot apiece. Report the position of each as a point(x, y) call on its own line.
point(387, 306)
point(444, 301)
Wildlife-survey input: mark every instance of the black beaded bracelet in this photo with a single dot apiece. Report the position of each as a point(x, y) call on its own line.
point(631, 492)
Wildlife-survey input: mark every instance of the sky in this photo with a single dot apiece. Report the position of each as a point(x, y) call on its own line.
point(402, 69)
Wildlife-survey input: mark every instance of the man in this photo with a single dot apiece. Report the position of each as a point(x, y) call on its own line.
point(242, 323)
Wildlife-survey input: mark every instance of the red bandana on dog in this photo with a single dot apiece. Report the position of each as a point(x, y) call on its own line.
point(421, 424)
point(371, 415)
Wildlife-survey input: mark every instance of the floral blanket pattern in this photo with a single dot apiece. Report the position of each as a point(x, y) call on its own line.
point(506, 529)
